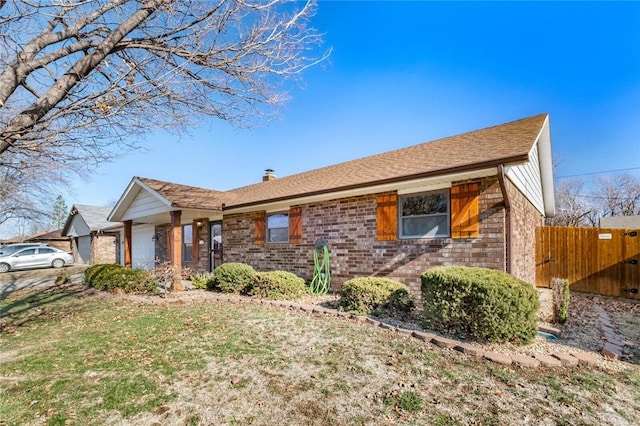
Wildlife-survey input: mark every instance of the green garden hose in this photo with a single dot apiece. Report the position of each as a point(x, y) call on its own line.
point(321, 271)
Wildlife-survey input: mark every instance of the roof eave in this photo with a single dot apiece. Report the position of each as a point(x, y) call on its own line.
point(493, 163)
point(546, 169)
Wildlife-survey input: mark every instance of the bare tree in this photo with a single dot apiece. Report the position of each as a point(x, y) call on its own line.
point(618, 195)
point(80, 75)
point(27, 192)
point(573, 208)
point(79, 79)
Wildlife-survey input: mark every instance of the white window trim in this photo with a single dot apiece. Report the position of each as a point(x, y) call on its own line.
point(267, 229)
point(401, 218)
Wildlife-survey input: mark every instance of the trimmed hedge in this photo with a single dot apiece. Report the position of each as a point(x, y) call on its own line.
point(380, 296)
point(481, 303)
point(201, 280)
point(278, 285)
point(232, 277)
point(113, 277)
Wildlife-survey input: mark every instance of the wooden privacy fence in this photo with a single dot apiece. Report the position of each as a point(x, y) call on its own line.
point(594, 260)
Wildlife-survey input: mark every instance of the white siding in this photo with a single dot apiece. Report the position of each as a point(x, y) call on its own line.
point(526, 177)
point(145, 204)
point(77, 227)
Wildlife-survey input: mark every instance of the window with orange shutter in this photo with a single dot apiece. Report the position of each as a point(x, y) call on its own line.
point(424, 215)
point(258, 228)
point(465, 211)
point(387, 217)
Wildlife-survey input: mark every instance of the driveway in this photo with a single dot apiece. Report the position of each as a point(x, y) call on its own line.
point(37, 278)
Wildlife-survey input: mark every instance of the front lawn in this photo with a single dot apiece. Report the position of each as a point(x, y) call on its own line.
point(68, 357)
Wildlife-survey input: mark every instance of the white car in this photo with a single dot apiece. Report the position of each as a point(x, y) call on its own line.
point(35, 257)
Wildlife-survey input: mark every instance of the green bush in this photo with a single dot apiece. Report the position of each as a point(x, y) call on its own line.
point(560, 299)
point(94, 272)
point(232, 277)
point(201, 280)
point(481, 303)
point(278, 285)
point(380, 296)
point(119, 278)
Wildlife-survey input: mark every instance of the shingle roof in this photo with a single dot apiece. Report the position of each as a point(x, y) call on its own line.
point(94, 216)
point(505, 143)
point(187, 197)
point(510, 142)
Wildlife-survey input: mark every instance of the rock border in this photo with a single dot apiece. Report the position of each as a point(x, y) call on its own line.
point(560, 359)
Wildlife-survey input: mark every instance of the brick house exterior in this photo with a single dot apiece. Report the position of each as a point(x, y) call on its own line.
point(93, 239)
point(473, 199)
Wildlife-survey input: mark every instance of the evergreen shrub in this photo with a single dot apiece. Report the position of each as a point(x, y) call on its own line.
point(480, 303)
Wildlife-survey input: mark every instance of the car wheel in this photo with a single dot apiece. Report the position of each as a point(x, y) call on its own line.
point(4, 267)
point(57, 263)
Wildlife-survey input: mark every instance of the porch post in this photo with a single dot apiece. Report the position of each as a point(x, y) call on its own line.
point(175, 257)
point(127, 243)
point(176, 239)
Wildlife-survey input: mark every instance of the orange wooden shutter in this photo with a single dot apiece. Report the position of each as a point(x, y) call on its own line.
point(464, 211)
point(295, 225)
point(258, 230)
point(387, 217)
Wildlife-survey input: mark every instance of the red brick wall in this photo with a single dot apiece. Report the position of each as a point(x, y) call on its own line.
point(349, 227)
point(104, 249)
point(525, 218)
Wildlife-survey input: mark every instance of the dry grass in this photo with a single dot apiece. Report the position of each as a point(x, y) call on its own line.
point(67, 357)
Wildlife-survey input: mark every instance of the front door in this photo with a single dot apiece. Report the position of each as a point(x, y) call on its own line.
point(216, 244)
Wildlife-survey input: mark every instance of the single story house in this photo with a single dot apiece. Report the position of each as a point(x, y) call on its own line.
point(52, 238)
point(471, 199)
point(94, 240)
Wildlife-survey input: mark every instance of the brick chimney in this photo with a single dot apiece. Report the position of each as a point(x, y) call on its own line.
point(268, 175)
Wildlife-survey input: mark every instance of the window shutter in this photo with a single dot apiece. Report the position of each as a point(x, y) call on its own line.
point(295, 225)
point(387, 217)
point(464, 211)
point(258, 230)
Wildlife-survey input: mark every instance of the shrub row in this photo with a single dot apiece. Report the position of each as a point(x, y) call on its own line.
point(111, 277)
point(482, 303)
point(240, 278)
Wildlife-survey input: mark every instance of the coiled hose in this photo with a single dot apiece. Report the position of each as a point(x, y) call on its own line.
point(321, 271)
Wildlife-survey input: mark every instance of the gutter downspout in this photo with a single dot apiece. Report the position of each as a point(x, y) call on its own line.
point(508, 224)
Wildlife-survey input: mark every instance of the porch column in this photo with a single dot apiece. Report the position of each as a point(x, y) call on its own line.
point(127, 243)
point(175, 234)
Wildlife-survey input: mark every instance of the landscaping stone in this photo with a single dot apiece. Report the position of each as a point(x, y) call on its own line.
point(443, 342)
point(566, 359)
point(585, 358)
point(372, 321)
point(612, 351)
point(425, 337)
point(469, 350)
point(548, 361)
point(525, 361)
point(498, 358)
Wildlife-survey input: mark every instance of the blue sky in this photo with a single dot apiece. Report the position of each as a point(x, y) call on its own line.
point(403, 73)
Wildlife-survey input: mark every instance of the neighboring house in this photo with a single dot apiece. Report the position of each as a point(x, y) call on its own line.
point(52, 238)
point(472, 199)
point(621, 222)
point(94, 239)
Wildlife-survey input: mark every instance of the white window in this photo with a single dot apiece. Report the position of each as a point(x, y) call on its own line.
point(278, 228)
point(187, 243)
point(424, 215)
